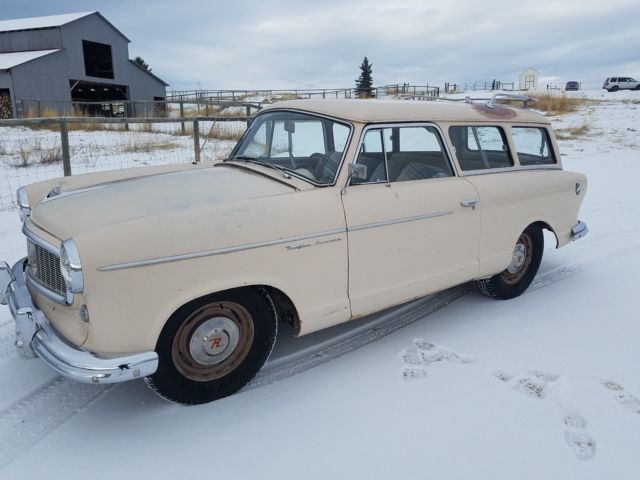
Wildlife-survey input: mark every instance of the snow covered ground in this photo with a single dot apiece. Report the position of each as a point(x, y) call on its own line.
point(543, 386)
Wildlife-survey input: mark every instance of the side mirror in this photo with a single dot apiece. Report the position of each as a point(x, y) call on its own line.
point(290, 126)
point(357, 171)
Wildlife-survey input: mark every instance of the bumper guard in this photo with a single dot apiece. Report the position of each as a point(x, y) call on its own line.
point(579, 231)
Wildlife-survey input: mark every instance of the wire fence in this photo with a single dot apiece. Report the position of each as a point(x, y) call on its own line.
point(40, 149)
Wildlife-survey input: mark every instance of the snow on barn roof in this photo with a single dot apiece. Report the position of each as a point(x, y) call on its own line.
point(10, 60)
point(40, 22)
point(50, 21)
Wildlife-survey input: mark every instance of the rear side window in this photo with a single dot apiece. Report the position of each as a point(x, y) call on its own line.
point(480, 147)
point(532, 146)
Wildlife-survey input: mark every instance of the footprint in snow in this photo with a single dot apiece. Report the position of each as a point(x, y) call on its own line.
point(424, 353)
point(623, 397)
point(540, 385)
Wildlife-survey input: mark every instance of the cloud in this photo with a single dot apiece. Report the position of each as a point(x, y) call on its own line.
point(286, 43)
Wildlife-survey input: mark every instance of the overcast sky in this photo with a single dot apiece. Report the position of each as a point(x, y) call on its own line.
point(297, 43)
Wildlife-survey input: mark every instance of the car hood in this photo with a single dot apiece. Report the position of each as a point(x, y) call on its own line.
point(85, 209)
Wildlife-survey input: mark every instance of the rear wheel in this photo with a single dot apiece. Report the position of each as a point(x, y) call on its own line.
point(615, 88)
point(524, 265)
point(213, 346)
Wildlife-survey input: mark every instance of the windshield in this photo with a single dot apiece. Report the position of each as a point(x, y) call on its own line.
point(304, 145)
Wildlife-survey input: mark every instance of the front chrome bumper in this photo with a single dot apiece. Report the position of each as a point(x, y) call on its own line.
point(579, 231)
point(35, 336)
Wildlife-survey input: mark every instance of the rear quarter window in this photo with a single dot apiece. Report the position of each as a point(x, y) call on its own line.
point(480, 147)
point(533, 146)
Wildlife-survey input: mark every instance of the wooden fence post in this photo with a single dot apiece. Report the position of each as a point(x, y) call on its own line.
point(196, 141)
point(64, 143)
point(182, 116)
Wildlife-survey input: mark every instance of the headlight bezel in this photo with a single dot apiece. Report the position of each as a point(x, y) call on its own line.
point(22, 201)
point(71, 266)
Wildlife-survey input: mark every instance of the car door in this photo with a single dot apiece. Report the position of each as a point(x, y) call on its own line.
point(413, 225)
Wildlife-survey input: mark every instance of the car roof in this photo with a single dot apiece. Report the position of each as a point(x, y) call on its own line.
point(368, 111)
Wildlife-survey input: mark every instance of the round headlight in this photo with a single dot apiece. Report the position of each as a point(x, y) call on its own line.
point(70, 266)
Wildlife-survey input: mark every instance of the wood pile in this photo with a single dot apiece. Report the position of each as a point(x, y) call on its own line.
point(5, 106)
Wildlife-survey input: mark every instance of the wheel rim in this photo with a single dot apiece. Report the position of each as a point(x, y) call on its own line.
point(520, 260)
point(212, 341)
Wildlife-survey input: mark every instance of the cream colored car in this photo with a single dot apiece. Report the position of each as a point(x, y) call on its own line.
point(325, 212)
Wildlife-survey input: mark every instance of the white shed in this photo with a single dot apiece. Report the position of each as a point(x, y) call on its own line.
point(529, 79)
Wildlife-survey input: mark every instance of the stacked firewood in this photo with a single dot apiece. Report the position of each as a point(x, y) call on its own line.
point(5, 106)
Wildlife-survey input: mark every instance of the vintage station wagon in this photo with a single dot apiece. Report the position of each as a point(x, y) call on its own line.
point(326, 211)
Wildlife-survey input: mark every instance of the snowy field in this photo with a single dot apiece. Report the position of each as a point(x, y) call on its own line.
point(30, 155)
point(545, 386)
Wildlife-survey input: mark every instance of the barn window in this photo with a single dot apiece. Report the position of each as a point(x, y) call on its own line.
point(97, 59)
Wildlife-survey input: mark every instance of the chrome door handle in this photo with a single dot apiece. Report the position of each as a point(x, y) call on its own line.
point(470, 203)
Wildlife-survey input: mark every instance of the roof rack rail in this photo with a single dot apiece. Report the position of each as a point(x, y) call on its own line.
point(491, 102)
point(512, 96)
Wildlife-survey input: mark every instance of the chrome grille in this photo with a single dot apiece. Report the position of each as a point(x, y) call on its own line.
point(44, 268)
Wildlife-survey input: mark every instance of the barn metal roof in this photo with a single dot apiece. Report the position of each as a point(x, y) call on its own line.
point(10, 60)
point(50, 21)
point(40, 22)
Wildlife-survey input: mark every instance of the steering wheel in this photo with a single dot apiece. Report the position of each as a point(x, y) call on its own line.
point(321, 162)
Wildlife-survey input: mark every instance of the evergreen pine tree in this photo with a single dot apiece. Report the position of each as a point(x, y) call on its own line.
point(364, 83)
point(140, 61)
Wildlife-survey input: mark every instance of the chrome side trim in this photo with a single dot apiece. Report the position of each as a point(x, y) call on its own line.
point(579, 231)
point(71, 193)
point(398, 220)
point(518, 168)
point(268, 243)
point(219, 251)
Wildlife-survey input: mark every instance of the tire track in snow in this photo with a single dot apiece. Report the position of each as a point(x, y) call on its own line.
point(31, 418)
point(385, 325)
point(571, 269)
point(7, 338)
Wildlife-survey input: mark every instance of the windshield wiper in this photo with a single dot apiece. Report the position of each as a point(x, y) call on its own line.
point(248, 159)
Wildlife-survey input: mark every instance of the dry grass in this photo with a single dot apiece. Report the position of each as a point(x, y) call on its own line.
point(552, 104)
point(31, 152)
point(223, 132)
point(572, 133)
point(138, 145)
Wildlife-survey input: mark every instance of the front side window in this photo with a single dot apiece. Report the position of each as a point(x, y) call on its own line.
point(400, 154)
point(532, 146)
point(480, 147)
point(308, 146)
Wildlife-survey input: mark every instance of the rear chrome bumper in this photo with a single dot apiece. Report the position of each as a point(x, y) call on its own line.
point(35, 336)
point(579, 231)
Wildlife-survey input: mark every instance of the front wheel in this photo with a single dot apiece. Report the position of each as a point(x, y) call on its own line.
point(213, 346)
point(516, 278)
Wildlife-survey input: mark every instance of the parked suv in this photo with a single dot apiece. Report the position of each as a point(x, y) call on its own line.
point(572, 85)
point(614, 84)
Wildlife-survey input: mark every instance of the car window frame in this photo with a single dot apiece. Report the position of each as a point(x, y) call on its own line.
point(446, 148)
point(550, 146)
point(338, 120)
point(516, 161)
